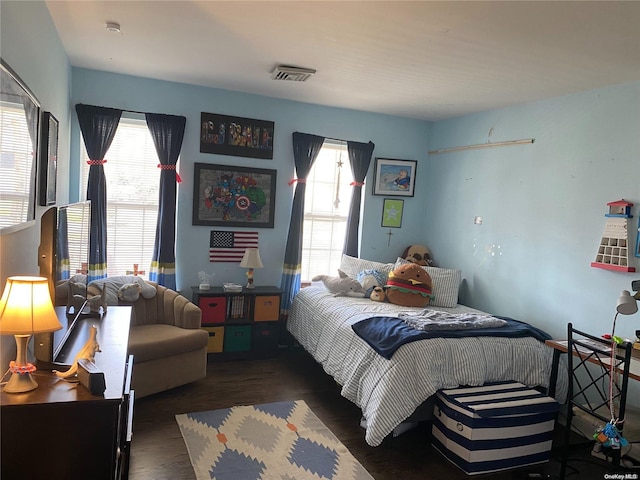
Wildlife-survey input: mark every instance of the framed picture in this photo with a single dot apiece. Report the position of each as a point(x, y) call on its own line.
point(48, 159)
point(241, 137)
point(225, 195)
point(392, 213)
point(394, 177)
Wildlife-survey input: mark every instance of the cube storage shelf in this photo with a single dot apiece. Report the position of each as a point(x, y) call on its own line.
point(240, 324)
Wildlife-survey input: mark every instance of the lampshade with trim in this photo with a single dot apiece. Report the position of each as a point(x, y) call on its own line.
point(26, 308)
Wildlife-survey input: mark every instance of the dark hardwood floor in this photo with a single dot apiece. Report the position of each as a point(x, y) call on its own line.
point(158, 450)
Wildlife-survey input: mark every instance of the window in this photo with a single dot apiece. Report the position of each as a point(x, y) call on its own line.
point(326, 210)
point(16, 165)
point(133, 181)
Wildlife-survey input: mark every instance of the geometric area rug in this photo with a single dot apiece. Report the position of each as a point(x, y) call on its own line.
point(273, 441)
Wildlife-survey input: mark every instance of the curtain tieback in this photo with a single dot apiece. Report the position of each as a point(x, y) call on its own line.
point(356, 184)
point(299, 180)
point(96, 162)
point(171, 167)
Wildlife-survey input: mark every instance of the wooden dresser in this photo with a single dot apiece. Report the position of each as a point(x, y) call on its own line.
point(60, 430)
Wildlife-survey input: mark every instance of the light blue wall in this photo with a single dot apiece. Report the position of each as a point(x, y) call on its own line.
point(394, 137)
point(542, 206)
point(30, 44)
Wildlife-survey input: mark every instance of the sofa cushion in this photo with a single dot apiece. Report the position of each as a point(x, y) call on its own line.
point(150, 342)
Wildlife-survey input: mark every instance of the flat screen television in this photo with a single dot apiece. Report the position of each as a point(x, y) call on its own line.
point(63, 254)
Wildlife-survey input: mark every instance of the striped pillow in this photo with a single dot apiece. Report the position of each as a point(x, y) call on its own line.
point(352, 266)
point(446, 284)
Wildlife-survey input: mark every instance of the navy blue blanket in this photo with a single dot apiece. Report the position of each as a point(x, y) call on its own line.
point(386, 334)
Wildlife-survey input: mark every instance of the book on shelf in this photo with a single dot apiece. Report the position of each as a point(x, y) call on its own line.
point(232, 287)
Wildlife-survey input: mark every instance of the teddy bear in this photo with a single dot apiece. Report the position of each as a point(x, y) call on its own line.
point(409, 285)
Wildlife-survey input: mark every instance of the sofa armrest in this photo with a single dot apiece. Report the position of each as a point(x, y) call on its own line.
point(187, 314)
point(184, 313)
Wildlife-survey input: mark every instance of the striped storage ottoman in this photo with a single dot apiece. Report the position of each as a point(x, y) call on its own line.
point(493, 427)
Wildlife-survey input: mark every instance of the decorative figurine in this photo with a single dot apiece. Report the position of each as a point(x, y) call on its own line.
point(88, 351)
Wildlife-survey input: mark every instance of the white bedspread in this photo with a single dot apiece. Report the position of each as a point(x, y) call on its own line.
point(388, 391)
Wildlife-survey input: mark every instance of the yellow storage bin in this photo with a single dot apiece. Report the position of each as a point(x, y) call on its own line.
point(216, 339)
point(267, 308)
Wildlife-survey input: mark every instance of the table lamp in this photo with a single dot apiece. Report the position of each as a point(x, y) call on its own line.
point(251, 260)
point(626, 306)
point(25, 309)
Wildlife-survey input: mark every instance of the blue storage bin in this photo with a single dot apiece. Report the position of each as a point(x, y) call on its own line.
point(494, 427)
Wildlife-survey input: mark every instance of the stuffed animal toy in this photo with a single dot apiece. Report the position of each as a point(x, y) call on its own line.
point(418, 254)
point(129, 292)
point(409, 285)
point(342, 285)
point(88, 352)
point(377, 294)
point(371, 278)
point(96, 303)
point(76, 293)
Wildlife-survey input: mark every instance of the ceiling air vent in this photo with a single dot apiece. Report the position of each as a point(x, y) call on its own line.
point(294, 74)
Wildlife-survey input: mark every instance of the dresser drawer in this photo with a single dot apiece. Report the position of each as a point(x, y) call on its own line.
point(267, 308)
point(216, 339)
point(214, 309)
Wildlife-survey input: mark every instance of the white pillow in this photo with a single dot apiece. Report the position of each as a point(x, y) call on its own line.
point(352, 266)
point(446, 284)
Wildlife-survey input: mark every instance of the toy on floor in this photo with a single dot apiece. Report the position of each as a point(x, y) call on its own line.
point(610, 437)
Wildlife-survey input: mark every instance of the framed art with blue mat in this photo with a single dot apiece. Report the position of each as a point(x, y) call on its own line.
point(282, 440)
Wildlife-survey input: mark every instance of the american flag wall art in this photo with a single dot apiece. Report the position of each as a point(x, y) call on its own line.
point(227, 246)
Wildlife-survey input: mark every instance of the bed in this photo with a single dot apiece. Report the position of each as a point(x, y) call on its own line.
point(388, 391)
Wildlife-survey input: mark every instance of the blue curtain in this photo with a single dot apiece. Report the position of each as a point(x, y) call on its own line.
point(360, 158)
point(98, 126)
point(167, 132)
point(305, 151)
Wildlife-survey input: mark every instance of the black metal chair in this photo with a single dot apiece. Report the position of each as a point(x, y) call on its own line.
point(590, 380)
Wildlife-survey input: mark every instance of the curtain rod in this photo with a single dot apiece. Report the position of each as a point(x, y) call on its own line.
point(335, 139)
point(482, 145)
point(124, 110)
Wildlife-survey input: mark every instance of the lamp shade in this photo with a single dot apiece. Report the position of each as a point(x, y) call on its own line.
point(626, 304)
point(251, 259)
point(26, 308)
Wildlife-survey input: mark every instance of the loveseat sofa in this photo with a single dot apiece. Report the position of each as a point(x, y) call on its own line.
point(165, 338)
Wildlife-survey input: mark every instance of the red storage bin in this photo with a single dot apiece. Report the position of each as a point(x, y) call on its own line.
point(214, 310)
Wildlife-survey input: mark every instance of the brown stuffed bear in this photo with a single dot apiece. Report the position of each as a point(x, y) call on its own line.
point(409, 285)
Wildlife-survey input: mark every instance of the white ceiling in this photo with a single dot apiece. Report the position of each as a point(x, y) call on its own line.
point(420, 59)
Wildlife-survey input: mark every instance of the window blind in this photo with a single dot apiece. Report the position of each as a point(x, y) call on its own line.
point(16, 163)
